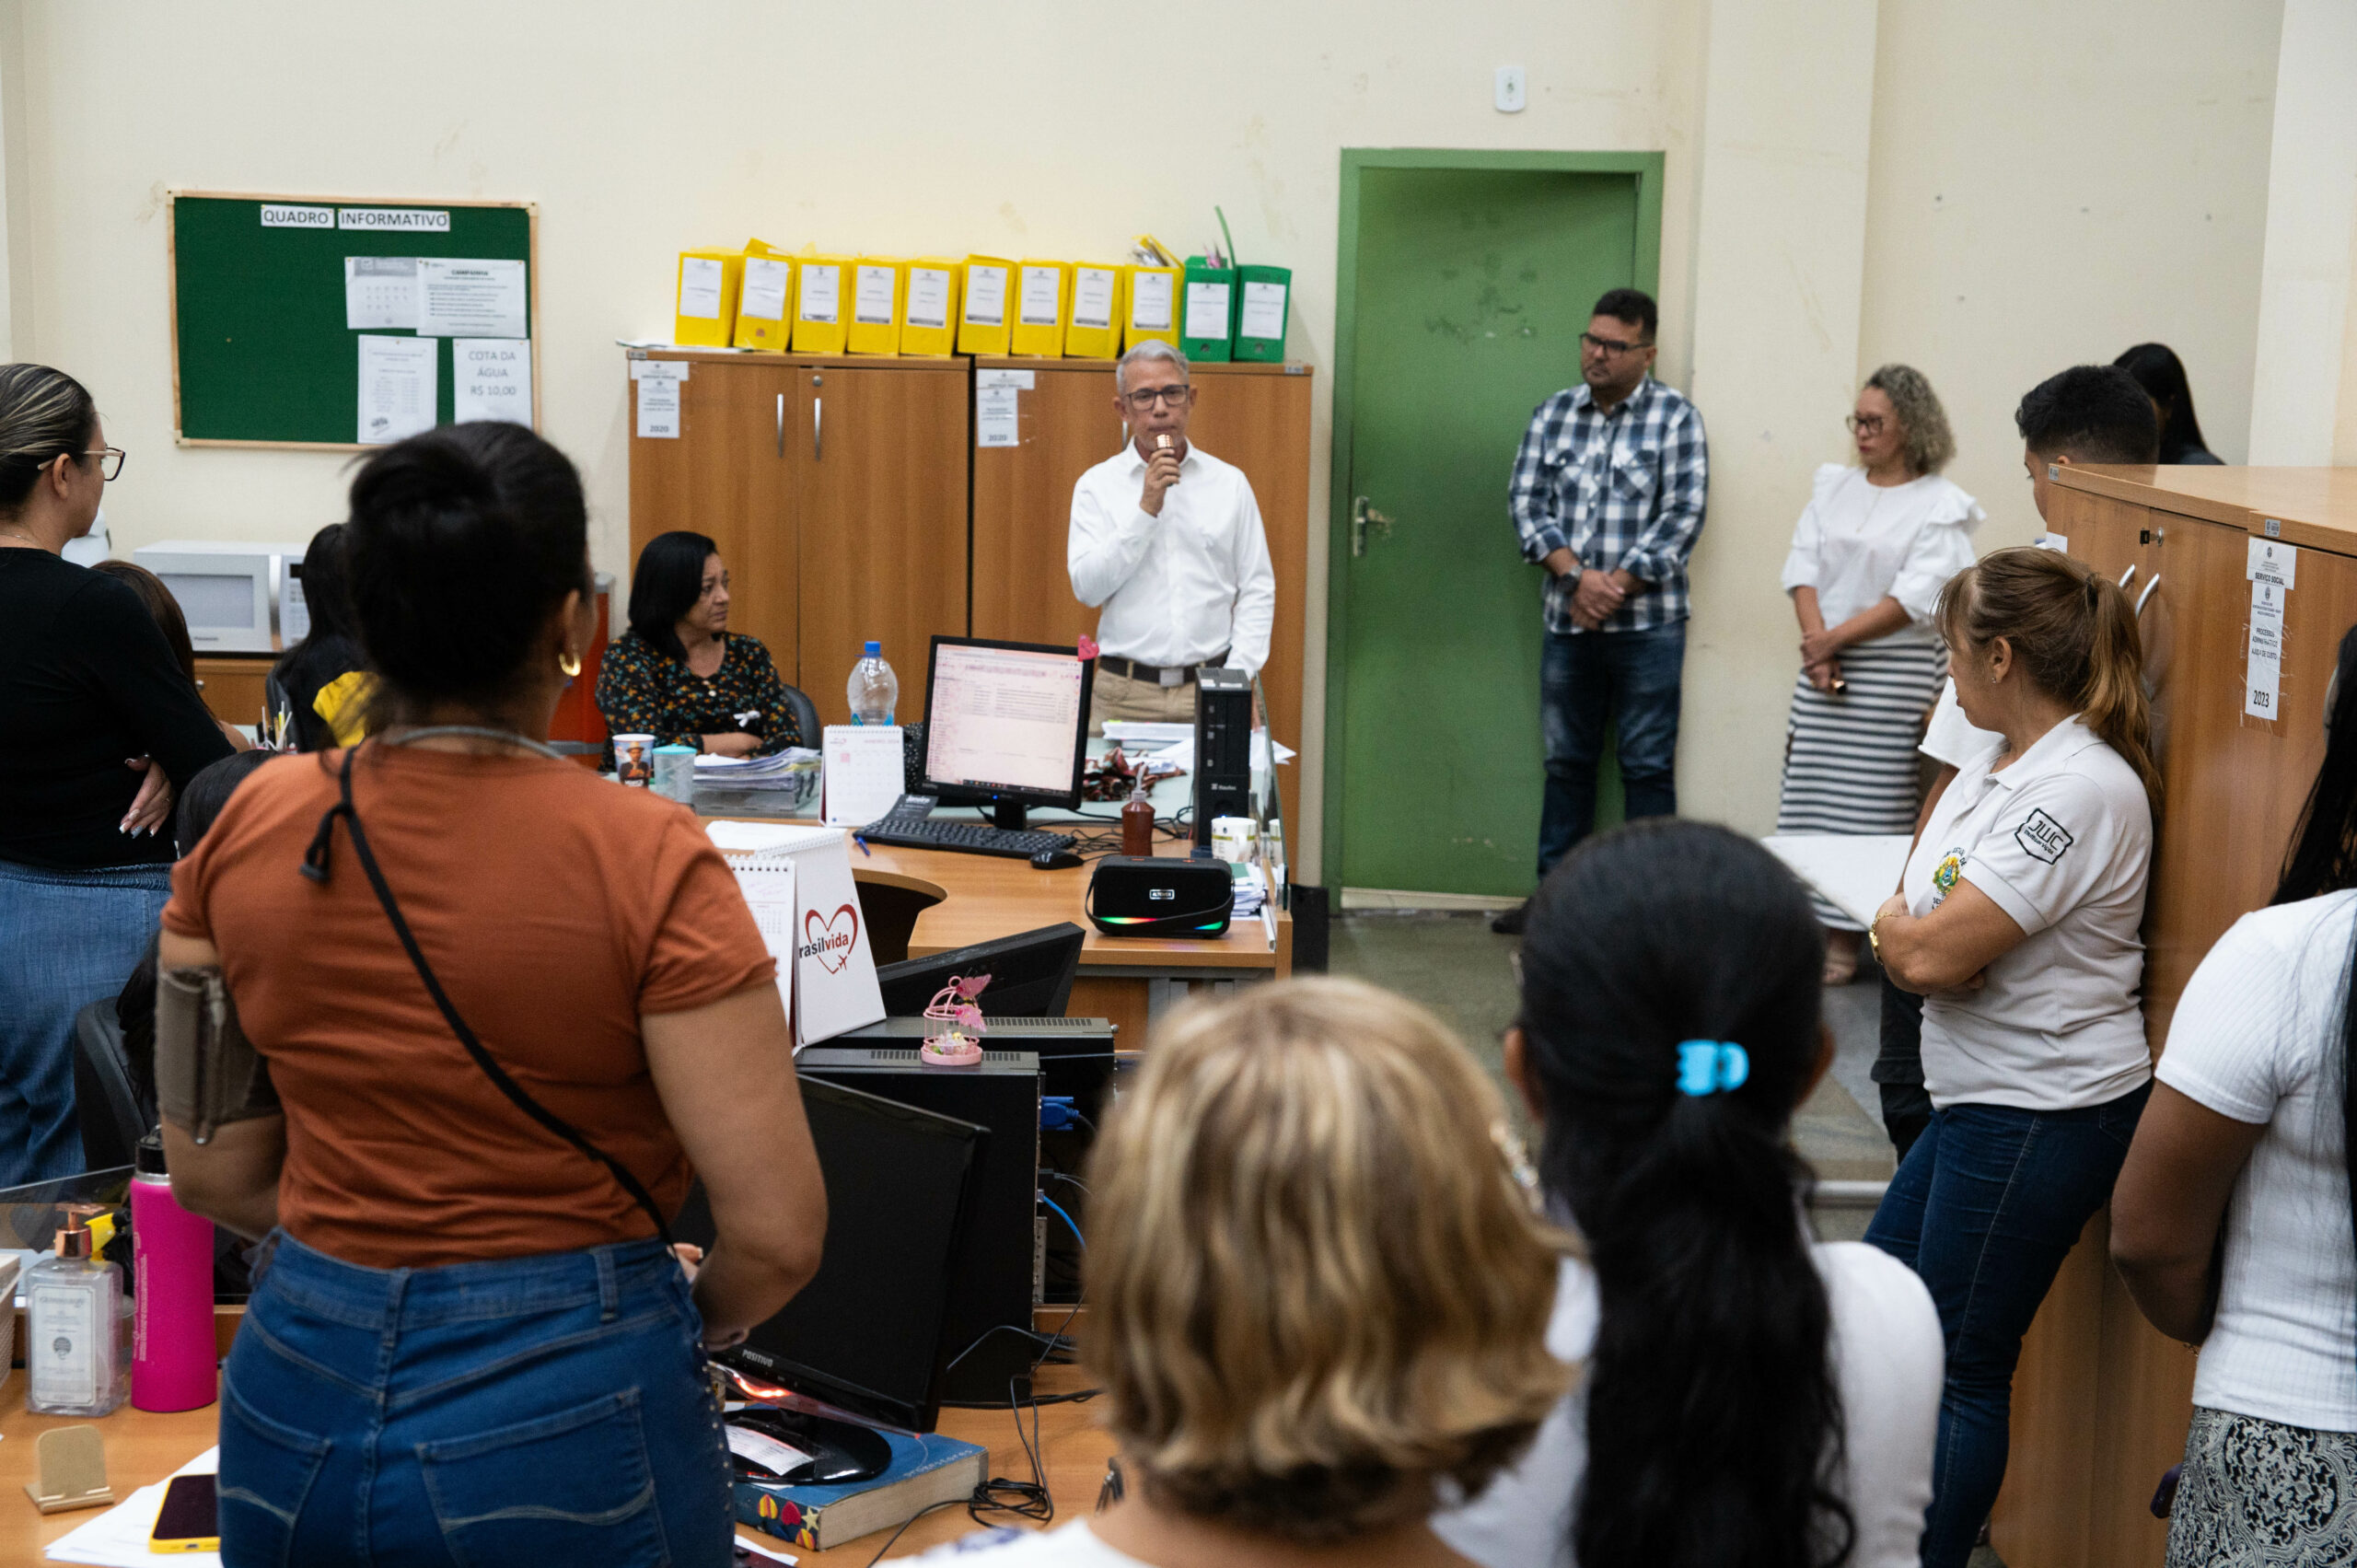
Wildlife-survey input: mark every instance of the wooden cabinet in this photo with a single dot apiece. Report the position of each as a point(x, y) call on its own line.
point(1255, 416)
point(2102, 1401)
point(232, 684)
point(836, 490)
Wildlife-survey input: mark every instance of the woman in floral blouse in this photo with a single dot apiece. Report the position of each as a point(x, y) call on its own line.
point(678, 674)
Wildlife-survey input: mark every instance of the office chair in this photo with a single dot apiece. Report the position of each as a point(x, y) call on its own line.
point(104, 1102)
point(806, 716)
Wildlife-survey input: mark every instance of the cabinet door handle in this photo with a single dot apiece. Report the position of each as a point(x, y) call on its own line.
point(2128, 576)
point(817, 428)
point(781, 425)
point(2149, 586)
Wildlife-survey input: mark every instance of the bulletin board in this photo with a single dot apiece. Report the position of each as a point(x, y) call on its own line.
point(263, 354)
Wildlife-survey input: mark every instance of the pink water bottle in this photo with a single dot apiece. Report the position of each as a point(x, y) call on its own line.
point(173, 1363)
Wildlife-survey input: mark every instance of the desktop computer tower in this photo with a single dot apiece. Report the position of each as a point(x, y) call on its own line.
point(993, 1275)
point(1223, 747)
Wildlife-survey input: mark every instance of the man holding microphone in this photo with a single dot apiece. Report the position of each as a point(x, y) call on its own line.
point(1166, 542)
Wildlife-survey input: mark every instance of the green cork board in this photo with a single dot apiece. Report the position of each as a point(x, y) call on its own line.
point(261, 354)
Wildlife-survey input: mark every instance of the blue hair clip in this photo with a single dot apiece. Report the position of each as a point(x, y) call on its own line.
point(1711, 1066)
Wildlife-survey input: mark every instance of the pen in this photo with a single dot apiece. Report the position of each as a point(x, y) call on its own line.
point(862, 845)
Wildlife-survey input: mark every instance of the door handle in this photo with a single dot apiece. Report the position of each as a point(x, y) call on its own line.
point(781, 425)
point(2148, 585)
point(817, 421)
point(1363, 517)
point(2128, 576)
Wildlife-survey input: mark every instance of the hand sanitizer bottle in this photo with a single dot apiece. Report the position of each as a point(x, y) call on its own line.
point(73, 1360)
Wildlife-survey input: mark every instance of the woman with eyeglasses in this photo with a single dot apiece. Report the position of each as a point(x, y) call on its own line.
point(102, 724)
point(1875, 545)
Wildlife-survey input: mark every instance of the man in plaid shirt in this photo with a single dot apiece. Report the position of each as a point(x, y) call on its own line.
point(1607, 495)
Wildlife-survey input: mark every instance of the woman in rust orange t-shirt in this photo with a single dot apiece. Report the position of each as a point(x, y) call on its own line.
point(465, 1341)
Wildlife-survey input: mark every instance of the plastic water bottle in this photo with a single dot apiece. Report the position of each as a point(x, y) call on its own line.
point(873, 688)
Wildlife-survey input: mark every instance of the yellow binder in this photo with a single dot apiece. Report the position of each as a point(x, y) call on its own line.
point(929, 321)
point(880, 292)
point(765, 301)
point(822, 303)
point(1093, 319)
point(985, 313)
point(704, 312)
point(1152, 308)
point(1042, 305)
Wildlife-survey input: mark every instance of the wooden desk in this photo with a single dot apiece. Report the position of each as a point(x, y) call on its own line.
point(143, 1449)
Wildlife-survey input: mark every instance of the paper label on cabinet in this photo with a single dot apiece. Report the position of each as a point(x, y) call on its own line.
point(1042, 296)
point(1264, 311)
point(996, 416)
point(765, 284)
point(2263, 660)
point(1021, 378)
point(491, 379)
point(822, 289)
point(874, 305)
point(986, 296)
point(2272, 561)
point(1150, 302)
point(1092, 297)
point(1206, 311)
point(659, 407)
point(700, 280)
point(660, 370)
point(929, 296)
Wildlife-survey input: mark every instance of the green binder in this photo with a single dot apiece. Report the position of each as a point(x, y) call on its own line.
point(1264, 299)
point(1207, 319)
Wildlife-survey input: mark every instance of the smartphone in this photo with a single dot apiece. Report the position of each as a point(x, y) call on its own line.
point(190, 1519)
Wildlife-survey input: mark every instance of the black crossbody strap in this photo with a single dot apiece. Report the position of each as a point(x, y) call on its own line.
point(482, 1058)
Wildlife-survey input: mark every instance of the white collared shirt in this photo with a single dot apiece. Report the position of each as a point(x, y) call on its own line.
point(1176, 590)
point(2061, 840)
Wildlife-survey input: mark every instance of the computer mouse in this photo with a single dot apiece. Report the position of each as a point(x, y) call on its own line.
point(1055, 860)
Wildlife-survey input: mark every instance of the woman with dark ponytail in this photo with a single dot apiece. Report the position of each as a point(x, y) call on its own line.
point(1747, 1400)
point(2018, 924)
point(2231, 1222)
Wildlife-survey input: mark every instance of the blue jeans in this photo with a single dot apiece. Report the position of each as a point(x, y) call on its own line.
point(1587, 680)
point(543, 1408)
point(1987, 1204)
point(66, 940)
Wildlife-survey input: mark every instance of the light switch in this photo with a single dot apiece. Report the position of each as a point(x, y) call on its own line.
point(1510, 95)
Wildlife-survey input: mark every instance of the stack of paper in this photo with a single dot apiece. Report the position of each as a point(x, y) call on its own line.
point(1250, 891)
point(795, 767)
point(118, 1538)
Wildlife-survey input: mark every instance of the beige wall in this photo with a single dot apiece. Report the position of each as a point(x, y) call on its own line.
point(2304, 407)
point(1990, 192)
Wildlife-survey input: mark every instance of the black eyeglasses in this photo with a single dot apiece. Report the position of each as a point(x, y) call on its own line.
point(1870, 424)
point(110, 461)
point(1145, 397)
point(1607, 345)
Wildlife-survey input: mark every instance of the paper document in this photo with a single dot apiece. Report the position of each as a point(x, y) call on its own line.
point(822, 289)
point(765, 281)
point(873, 306)
point(398, 379)
point(996, 415)
point(732, 837)
point(769, 893)
point(986, 296)
point(1264, 311)
point(2272, 561)
point(470, 299)
point(864, 773)
point(491, 379)
point(1150, 302)
point(929, 296)
point(2263, 667)
point(1014, 380)
point(1092, 296)
point(380, 292)
point(658, 399)
point(1854, 871)
point(1042, 296)
point(701, 279)
point(1206, 311)
point(118, 1538)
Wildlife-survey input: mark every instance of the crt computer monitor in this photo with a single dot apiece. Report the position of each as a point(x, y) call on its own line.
point(867, 1333)
point(1031, 974)
point(1006, 723)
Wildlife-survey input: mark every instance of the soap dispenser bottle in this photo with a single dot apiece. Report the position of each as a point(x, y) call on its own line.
point(73, 1360)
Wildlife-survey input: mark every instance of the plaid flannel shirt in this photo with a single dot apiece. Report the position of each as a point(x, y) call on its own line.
point(1620, 490)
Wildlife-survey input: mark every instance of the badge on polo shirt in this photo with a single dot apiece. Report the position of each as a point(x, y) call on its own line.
point(1944, 875)
point(2043, 838)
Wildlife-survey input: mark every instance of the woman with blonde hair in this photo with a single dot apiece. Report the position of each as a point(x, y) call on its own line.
point(1318, 1296)
point(2016, 922)
point(1873, 550)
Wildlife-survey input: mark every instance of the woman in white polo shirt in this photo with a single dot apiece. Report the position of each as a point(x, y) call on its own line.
point(2018, 924)
point(2249, 1135)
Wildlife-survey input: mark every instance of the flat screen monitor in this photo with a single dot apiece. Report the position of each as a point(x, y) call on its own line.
point(1031, 975)
point(1006, 721)
point(867, 1332)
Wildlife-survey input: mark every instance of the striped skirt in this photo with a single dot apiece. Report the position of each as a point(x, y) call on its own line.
point(1849, 758)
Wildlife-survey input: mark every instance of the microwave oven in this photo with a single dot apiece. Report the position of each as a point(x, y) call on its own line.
point(227, 589)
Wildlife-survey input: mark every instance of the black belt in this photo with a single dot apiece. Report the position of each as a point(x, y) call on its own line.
point(1159, 675)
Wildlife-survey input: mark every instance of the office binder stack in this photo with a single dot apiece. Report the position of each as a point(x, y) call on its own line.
point(1207, 322)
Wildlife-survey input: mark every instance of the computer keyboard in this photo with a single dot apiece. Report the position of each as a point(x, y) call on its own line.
point(964, 838)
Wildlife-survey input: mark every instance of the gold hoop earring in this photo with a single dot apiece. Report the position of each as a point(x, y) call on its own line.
point(569, 662)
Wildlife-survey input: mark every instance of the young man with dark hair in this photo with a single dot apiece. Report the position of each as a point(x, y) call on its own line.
point(2089, 413)
point(1607, 494)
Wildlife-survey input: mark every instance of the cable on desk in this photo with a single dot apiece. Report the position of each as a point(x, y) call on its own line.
point(929, 1508)
point(1023, 1499)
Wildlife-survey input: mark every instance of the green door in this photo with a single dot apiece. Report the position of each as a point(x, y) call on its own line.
point(1463, 299)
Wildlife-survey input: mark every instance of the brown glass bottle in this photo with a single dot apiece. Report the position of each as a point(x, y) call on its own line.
point(1137, 825)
